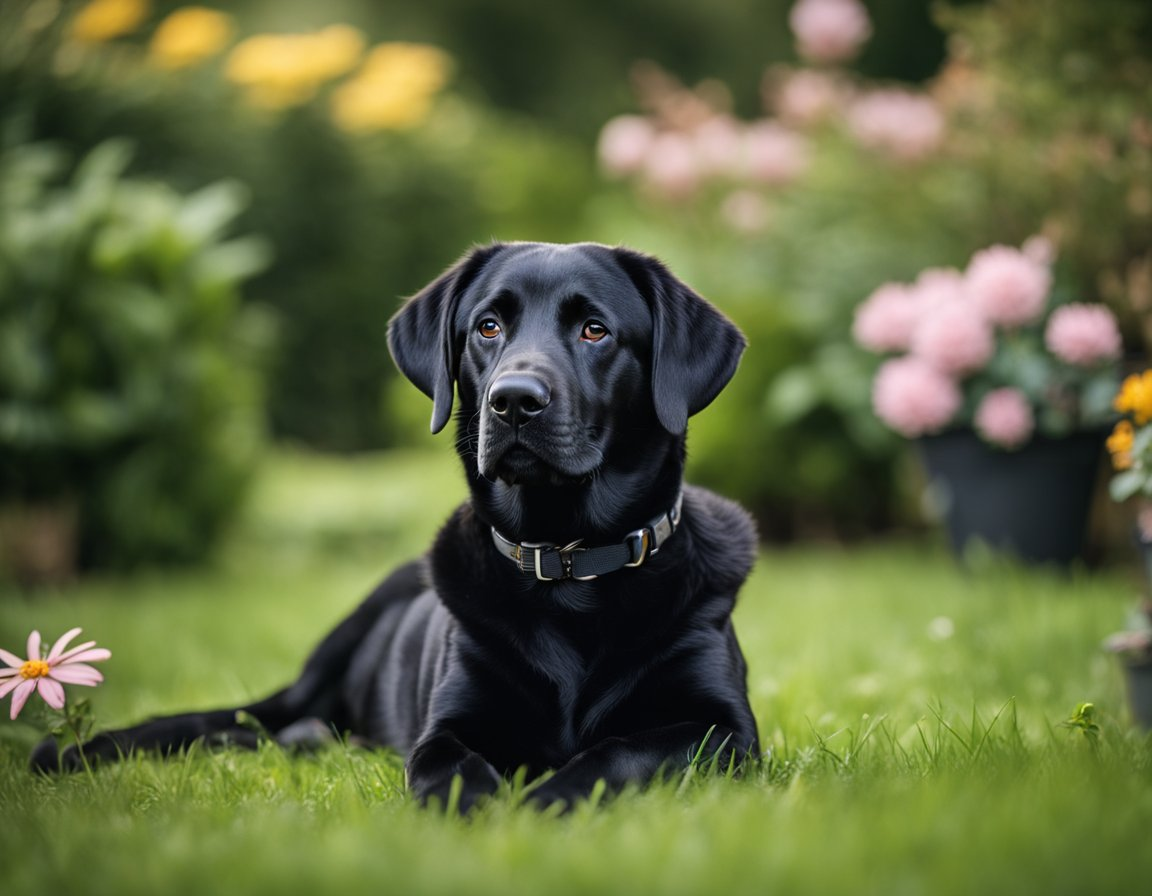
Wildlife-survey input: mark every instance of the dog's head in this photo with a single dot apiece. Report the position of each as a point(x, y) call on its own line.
point(560, 354)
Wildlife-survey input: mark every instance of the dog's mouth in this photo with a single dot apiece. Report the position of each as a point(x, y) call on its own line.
point(518, 461)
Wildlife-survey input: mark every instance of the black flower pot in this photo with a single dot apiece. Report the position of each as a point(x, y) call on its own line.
point(1032, 502)
point(1138, 681)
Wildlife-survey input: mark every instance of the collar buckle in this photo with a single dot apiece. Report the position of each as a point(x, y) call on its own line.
point(639, 544)
point(551, 563)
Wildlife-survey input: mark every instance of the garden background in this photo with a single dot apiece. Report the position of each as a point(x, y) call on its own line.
point(207, 217)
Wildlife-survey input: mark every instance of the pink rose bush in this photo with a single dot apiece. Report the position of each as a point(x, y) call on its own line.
point(989, 347)
point(689, 148)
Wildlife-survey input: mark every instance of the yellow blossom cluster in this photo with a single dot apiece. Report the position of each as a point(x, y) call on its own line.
point(392, 86)
point(1135, 397)
point(394, 89)
point(1135, 400)
point(280, 70)
point(189, 36)
point(103, 20)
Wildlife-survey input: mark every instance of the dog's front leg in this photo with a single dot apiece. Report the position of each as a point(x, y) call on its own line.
point(638, 758)
point(439, 758)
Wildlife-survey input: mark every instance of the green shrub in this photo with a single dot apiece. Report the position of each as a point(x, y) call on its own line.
point(129, 381)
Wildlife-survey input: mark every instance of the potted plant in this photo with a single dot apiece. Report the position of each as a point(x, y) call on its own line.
point(1130, 446)
point(1133, 647)
point(1007, 384)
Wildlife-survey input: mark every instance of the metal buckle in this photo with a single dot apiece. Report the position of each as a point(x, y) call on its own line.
point(539, 549)
point(639, 545)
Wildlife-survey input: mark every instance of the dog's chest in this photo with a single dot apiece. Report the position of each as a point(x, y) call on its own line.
point(584, 676)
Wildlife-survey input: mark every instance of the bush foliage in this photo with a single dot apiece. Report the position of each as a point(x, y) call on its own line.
point(129, 381)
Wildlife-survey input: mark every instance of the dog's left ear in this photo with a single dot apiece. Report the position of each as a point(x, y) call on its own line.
point(695, 347)
point(422, 338)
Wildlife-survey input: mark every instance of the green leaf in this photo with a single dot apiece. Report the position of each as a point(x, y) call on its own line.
point(206, 214)
point(1126, 484)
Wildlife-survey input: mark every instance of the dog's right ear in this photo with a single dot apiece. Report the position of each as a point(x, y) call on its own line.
point(422, 338)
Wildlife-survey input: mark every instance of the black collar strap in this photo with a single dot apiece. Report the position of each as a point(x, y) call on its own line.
point(549, 562)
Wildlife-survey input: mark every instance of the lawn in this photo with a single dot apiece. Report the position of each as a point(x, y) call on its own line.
point(912, 716)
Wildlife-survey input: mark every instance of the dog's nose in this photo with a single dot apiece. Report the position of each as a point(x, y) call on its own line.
point(518, 397)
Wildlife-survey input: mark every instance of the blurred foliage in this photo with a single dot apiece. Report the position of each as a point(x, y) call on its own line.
point(379, 139)
point(1037, 122)
point(129, 378)
point(366, 177)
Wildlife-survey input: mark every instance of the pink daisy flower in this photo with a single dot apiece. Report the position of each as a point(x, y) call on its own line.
point(1083, 334)
point(46, 674)
point(1004, 417)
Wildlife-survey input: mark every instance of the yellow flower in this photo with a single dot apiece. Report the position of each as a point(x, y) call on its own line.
point(1120, 445)
point(1135, 397)
point(394, 89)
point(102, 20)
point(279, 70)
point(188, 36)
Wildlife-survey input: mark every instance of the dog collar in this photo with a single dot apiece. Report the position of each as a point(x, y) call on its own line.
point(549, 562)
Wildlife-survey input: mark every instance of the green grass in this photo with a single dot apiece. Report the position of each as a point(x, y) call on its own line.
point(911, 712)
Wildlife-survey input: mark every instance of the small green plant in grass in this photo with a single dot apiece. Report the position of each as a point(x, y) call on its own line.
point(1083, 720)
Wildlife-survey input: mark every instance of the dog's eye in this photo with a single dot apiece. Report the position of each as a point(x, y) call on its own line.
point(593, 331)
point(489, 328)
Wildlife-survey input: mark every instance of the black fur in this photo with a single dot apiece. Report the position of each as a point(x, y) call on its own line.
point(463, 662)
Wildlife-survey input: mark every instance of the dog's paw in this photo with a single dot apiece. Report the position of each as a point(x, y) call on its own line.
point(469, 783)
point(48, 759)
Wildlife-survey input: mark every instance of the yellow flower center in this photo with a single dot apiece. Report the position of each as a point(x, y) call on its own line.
point(34, 669)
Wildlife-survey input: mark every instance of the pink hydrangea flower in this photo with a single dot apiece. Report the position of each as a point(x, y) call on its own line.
point(773, 154)
point(954, 338)
point(1083, 335)
point(807, 97)
point(745, 211)
point(829, 30)
point(47, 674)
point(913, 397)
point(905, 125)
point(719, 143)
point(672, 166)
point(1008, 286)
point(886, 320)
point(1004, 417)
point(624, 144)
point(938, 286)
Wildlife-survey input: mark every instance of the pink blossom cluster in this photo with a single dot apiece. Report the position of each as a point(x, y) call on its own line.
point(906, 125)
point(675, 162)
point(805, 97)
point(829, 30)
point(945, 328)
point(1083, 335)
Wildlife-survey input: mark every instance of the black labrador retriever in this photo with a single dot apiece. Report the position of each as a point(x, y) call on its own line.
point(574, 614)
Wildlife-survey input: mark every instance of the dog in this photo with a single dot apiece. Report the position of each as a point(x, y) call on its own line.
point(573, 616)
